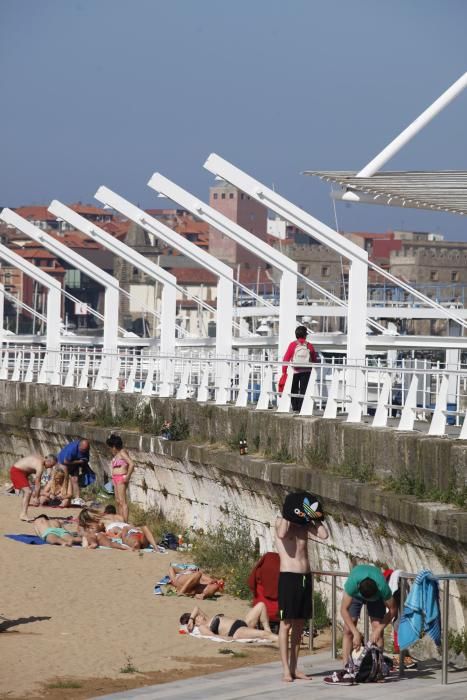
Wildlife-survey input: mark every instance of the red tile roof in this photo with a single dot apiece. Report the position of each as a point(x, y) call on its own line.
point(35, 213)
point(41, 213)
point(193, 275)
point(90, 210)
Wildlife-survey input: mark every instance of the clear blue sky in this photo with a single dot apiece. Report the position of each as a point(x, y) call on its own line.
point(108, 91)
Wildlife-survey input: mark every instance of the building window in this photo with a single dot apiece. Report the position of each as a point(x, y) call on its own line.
point(454, 277)
point(231, 195)
point(242, 196)
point(223, 195)
point(325, 271)
point(433, 275)
point(214, 195)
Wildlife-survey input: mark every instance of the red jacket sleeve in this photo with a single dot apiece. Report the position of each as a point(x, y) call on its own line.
point(313, 353)
point(288, 355)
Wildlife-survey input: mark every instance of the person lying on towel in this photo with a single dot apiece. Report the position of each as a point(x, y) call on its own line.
point(194, 582)
point(227, 628)
point(52, 532)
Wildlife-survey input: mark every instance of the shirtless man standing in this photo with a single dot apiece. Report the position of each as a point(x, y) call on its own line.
point(19, 475)
point(301, 520)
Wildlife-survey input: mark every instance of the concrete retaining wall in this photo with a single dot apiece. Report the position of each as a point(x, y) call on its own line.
point(201, 481)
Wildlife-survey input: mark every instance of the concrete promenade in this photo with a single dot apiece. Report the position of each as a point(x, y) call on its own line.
point(264, 683)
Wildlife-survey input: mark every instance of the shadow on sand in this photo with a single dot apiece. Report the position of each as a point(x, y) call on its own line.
point(6, 624)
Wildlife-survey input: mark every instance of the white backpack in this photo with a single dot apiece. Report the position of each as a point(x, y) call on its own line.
point(301, 354)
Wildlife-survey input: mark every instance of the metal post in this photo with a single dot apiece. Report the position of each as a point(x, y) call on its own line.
point(445, 645)
point(333, 617)
point(366, 624)
point(310, 623)
point(403, 589)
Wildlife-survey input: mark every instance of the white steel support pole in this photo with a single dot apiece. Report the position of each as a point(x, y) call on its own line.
point(168, 283)
point(222, 271)
point(417, 125)
point(109, 283)
point(53, 307)
point(288, 267)
point(356, 334)
point(2, 310)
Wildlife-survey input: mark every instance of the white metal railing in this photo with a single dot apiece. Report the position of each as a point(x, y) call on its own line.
point(401, 394)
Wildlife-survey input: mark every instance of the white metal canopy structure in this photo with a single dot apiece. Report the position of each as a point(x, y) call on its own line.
point(53, 308)
point(139, 261)
point(288, 267)
point(223, 273)
point(444, 191)
point(326, 235)
point(109, 283)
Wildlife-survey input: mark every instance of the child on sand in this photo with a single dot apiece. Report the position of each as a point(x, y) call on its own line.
point(302, 519)
point(52, 532)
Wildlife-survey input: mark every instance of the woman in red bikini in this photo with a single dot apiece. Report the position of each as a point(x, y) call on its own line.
point(122, 469)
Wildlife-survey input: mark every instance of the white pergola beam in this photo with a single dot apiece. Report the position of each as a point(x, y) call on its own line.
point(223, 272)
point(110, 284)
point(151, 269)
point(287, 267)
point(53, 306)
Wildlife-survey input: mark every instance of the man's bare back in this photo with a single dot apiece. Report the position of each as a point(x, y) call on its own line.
point(31, 464)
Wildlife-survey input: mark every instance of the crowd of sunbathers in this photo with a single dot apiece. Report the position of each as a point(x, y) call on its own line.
point(95, 529)
point(55, 481)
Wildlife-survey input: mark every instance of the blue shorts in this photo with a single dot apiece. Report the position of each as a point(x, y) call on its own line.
point(376, 608)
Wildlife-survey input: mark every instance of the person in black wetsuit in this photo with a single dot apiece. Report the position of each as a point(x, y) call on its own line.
point(227, 627)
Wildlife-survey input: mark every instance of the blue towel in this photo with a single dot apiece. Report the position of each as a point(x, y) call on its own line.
point(27, 539)
point(421, 611)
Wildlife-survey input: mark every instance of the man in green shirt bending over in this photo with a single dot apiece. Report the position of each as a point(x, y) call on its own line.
point(366, 585)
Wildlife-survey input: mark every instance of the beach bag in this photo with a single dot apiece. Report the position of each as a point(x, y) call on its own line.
point(87, 477)
point(301, 508)
point(368, 665)
point(301, 354)
point(169, 541)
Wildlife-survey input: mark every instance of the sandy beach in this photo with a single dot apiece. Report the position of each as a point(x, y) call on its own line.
point(79, 617)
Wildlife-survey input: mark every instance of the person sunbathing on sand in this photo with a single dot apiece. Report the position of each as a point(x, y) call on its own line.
point(57, 491)
point(194, 582)
point(134, 537)
point(228, 628)
point(93, 532)
point(52, 532)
